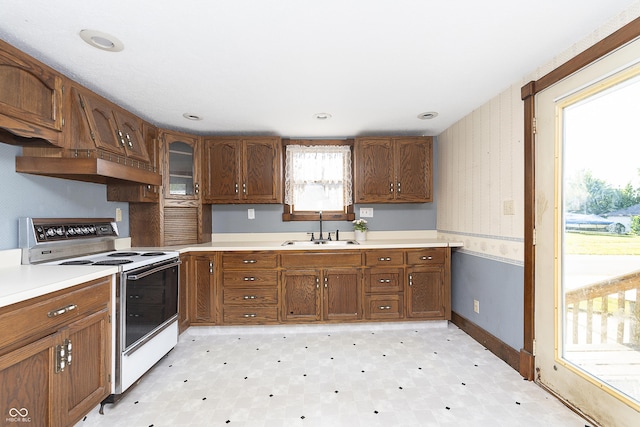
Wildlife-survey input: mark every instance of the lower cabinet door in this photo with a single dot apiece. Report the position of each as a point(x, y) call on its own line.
point(425, 293)
point(301, 295)
point(27, 377)
point(85, 381)
point(342, 299)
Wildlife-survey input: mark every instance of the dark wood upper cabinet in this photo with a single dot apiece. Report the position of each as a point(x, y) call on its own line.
point(393, 169)
point(114, 130)
point(131, 128)
point(181, 166)
point(222, 170)
point(242, 170)
point(30, 96)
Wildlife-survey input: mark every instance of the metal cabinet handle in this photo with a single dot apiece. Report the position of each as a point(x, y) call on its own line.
point(385, 307)
point(325, 282)
point(244, 188)
point(250, 297)
point(129, 140)
point(236, 188)
point(63, 310)
point(248, 315)
point(317, 282)
point(196, 188)
point(121, 137)
point(63, 355)
point(398, 187)
point(249, 279)
point(249, 261)
point(384, 259)
point(384, 280)
point(391, 187)
point(410, 280)
point(426, 258)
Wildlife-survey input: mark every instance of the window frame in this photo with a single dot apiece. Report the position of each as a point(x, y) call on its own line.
point(288, 213)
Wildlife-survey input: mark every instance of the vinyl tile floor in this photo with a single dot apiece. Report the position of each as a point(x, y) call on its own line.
point(390, 374)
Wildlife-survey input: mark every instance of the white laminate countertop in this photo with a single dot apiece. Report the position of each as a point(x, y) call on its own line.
point(22, 282)
point(277, 245)
point(274, 241)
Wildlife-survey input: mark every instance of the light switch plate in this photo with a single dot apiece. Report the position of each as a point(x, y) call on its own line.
point(251, 213)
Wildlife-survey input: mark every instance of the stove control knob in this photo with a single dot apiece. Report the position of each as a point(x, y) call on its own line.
point(60, 231)
point(85, 230)
point(51, 232)
point(71, 231)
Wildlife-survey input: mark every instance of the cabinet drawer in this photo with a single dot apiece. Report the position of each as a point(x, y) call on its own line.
point(250, 315)
point(29, 320)
point(384, 280)
point(250, 278)
point(384, 307)
point(384, 258)
point(250, 296)
point(246, 260)
point(426, 256)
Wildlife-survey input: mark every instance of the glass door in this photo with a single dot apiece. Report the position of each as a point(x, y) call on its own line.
point(181, 171)
point(587, 320)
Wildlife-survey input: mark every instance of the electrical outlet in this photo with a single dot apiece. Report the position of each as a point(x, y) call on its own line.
point(251, 213)
point(476, 306)
point(118, 215)
point(366, 212)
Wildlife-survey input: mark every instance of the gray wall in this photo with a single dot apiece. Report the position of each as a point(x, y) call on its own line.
point(233, 219)
point(498, 287)
point(44, 197)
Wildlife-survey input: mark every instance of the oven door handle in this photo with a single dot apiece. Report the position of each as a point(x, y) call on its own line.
point(155, 270)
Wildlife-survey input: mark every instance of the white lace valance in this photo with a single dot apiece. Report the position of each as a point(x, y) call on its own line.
point(318, 177)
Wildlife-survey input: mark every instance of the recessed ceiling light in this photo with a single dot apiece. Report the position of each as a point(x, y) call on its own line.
point(428, 115)
point(101, 40)
point(322, 116)
point(191, 117)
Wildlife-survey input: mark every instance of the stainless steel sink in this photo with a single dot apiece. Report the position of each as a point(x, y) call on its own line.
point(319, 242)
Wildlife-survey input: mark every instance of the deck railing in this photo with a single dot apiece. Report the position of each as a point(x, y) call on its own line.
point(605, 312)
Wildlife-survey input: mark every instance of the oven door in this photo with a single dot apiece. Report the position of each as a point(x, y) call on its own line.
point(148, 303)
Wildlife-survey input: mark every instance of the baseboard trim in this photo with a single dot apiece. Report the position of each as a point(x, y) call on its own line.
point(505, 352)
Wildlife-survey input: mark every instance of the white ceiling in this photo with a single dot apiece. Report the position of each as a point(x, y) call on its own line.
point(266, 67)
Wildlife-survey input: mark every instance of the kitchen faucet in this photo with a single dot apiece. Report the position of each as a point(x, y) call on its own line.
point(321, 238)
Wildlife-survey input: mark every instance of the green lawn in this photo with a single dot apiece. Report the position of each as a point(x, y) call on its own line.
point(601, 244)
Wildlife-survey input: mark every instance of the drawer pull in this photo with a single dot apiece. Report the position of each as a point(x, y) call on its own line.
point(424, 258)
point(249, 261)
point(249, 279)
point(384, 280)
point(384, 258)
point(249, 315)
point(385, 307)
point(63, 310)
point(249, 297)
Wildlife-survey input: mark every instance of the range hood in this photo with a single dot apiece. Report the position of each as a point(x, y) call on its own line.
point(96, 170)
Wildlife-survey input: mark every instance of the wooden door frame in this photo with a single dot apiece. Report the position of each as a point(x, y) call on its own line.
point(619, 38)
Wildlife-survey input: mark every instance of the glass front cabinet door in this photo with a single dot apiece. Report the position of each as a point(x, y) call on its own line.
point(181, 174)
